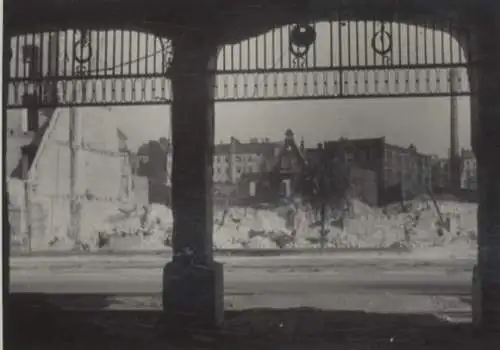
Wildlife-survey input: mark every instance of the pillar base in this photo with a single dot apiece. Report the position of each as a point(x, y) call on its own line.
point(485, 304)
point(193, 295)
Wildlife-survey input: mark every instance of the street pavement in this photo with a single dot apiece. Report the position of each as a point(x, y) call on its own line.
point(395, 284)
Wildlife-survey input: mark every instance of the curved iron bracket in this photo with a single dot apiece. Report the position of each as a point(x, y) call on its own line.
point(84, 45)
point(302, 37)
point(382, 34)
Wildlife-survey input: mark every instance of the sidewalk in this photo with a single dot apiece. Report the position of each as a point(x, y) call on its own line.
point(429, 256)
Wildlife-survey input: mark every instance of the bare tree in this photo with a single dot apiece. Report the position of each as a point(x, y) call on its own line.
point(327, 186)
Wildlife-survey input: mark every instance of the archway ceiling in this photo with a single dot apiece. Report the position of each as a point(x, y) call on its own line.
point(236, 19)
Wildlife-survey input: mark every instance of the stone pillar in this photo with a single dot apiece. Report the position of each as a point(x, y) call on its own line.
point(485, 106)
point(7, 57)
point(193, 282)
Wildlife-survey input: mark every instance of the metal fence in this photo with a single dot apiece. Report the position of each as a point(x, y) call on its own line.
point(338, 58)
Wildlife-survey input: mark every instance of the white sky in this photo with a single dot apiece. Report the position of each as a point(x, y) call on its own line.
point(422, 121)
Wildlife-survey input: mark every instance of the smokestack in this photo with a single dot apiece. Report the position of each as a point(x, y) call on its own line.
point(454, 155)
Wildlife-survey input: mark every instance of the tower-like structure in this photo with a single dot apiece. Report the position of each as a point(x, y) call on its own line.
point(454, 148)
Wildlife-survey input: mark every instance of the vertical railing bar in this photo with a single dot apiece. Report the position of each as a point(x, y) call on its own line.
point(249, 55)
point(408, 43)
point(450, 34)
point(41, 54)
point(442, 48)
point(114, 52)
point(73, 63)
point(341, 71)
point(240, 55)
point(349, 63)
point(417, 44)
point(129, 52)
point(289, 54)
point(426, 59)
point(138, 58)
point(281, 47)
point(232, 55)
point(374, 31)
point(25, 65)
point(30, 73)
point(27, 39)
point(331, 42)
point(273, 50)
point(58, 52)
point(146, 56)
point(265, 51)
point(434, 58)
point(365, 25)
point(224, 58)
point(400, 43)
point(358, 51)
point(18, 57)
point(122, 51)
point(155, 53)
point(97, 53)
point(393, 51)
point(40, 66)
point(315, 49)
point(106, 51)
point(256, 52)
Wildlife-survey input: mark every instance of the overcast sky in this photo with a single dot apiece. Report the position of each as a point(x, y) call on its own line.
point(422, 121)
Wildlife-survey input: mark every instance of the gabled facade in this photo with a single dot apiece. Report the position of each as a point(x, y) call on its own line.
point(283, 175)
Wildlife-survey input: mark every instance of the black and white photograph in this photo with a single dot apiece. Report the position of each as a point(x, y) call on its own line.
point(251, 174)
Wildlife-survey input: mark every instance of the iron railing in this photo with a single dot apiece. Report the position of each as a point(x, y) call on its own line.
point(329, 59)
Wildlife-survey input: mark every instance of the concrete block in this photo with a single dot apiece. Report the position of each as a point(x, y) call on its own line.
point(193, 295)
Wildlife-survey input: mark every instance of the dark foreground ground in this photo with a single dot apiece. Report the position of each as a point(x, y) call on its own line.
point(33, 323)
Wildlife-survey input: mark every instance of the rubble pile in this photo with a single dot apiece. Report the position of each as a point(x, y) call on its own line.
point(296, 225)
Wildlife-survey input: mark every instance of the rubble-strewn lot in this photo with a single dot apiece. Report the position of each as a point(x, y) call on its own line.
point(293, 225)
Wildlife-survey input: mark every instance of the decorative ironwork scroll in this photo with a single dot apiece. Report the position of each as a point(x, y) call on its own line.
point(82, 51)
point(302, 37)
point(382, 43)
point(339, 58)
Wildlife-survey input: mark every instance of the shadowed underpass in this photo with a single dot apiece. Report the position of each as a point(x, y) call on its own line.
point(53, 328)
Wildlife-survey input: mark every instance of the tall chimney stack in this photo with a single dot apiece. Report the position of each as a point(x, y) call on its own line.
point(454, 147)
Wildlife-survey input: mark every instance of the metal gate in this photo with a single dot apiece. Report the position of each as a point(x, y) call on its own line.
point(323, 60)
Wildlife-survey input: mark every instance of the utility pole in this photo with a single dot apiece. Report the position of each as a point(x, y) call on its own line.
point(74, 144)
point(25, 163)
point(454, 155)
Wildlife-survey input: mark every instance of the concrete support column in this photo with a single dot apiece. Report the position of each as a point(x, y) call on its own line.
point(485, 78)
point(193, 284)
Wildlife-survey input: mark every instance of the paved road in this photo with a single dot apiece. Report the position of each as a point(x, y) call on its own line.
point(378, 287)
